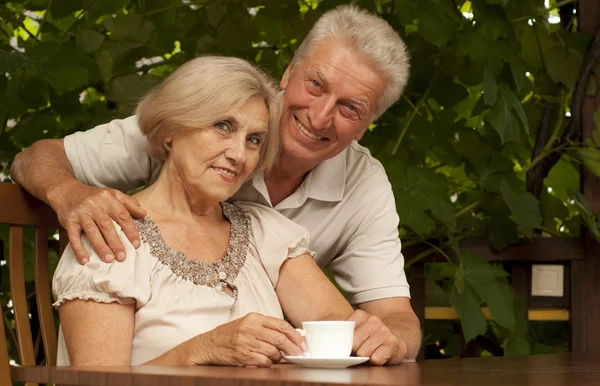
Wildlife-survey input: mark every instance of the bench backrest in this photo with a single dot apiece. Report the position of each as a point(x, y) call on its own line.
point(19, 209)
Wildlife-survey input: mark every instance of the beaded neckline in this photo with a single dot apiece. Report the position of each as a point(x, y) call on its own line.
point(221, 273)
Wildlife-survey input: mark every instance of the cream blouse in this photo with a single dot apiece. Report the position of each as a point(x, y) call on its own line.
point(176, 298)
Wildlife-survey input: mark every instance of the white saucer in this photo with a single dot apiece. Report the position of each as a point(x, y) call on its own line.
point(326, 363)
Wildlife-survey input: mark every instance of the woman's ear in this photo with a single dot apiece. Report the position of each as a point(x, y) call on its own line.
point(168, 142)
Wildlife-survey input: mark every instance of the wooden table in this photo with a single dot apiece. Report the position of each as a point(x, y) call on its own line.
point(543, 370)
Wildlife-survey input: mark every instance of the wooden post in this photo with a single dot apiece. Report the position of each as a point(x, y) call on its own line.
point(585, 274)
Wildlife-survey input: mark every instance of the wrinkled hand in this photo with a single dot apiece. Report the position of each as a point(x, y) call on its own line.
point(372, 338)
point(83, 208)
point(254, 340)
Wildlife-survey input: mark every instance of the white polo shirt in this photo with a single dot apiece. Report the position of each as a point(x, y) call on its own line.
point(346, 203)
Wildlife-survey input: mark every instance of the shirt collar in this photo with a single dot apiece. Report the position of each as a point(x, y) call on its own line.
point(327, 181)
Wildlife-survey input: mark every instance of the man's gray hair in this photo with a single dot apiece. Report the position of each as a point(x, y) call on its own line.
point(370, 35)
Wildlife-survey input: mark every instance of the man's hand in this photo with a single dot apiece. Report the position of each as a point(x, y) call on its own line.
point(372, 338)
point(83, 208)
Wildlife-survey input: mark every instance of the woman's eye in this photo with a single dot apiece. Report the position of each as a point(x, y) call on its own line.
point(255, 141)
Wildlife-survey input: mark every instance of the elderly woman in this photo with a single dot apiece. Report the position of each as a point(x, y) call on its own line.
point(211, 280)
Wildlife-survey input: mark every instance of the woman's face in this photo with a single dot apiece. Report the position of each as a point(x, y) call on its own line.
point(213, 162)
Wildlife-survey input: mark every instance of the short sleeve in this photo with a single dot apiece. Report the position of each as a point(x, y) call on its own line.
point(124, 282)
point(371, 266)
point(113, 155)
point(275, 238)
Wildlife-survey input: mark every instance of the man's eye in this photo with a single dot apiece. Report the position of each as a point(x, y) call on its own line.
point(352, 108)
point(223, 126)
point(316, 83)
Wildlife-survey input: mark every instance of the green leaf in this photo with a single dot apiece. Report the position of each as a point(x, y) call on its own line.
point(503, 121)
point(518, 71)
point(105, 64)
point(563, 65)
point(489, 283)
point(586, 211)
point(499, 299)
point(516, 343)
point(502, 232)
point(491, 89)
point(413, 216)
point(429, 188)
point(124, 25)
point(514, 102)
point(89, 41)
point(68, 78)
point(467, 306)
point(524, 208)
point(9, 61)
point(591, 159)
point(552, 208)
point(491, 20)
point(437, 21)
point(562, 177)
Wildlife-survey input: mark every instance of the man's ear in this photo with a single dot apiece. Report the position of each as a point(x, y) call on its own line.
point(361, 133)
point(285, 79)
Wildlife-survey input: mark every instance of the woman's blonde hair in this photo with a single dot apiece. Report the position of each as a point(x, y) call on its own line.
point(201, 92)
point(369, 35)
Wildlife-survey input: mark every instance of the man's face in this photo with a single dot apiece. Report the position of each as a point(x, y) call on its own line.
point(329, 100)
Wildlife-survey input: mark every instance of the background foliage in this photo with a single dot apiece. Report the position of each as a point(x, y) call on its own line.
point(457, 147)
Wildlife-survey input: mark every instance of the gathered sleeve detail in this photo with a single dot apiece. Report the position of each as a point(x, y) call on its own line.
point(275, 238)
point(123, 282)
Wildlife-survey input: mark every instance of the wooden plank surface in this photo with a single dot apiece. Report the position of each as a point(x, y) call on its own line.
point(21, 208)
point(43, 296)
point(540, 249)
point(535, 370)
point(19, 295)
point(586, 273)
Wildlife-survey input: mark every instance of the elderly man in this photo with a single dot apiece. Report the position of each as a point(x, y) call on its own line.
point(351, 67)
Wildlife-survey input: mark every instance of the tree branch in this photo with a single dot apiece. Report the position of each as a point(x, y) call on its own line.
point(43, 18)
point(574, 126)
point(534, 179)
point(547, 11)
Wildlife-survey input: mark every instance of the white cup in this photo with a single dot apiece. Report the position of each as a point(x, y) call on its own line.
point(328, 339)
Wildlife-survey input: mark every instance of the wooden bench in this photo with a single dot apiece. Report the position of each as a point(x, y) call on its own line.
point(19, 210)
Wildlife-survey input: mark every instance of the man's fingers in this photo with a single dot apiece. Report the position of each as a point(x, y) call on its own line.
point(132, 204)
point(97, 240)
point(372, 343)
point(362, 333)
point(359, 317)
point(120, 214)
point(81, 254)
point(111, 237)
point(381, 355)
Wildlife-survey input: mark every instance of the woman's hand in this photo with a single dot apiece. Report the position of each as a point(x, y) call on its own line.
point(254, 340)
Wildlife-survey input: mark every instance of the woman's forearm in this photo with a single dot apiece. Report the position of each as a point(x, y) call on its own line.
point(185, 354)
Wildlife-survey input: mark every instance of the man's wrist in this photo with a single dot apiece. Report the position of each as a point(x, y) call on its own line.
point(56, 192)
